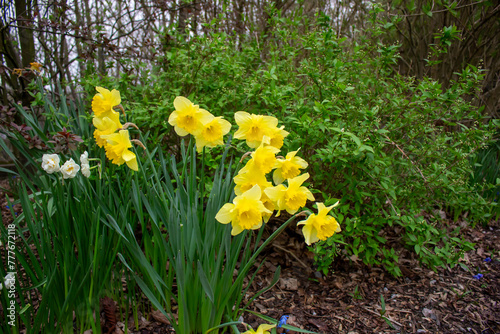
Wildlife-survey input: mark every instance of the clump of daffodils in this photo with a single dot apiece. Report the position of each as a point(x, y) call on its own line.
point(287, 193)
point(267, 182)
point(51, 164)
point(109, 132)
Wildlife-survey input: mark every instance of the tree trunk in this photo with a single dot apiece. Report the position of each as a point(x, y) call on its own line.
point(26, 39)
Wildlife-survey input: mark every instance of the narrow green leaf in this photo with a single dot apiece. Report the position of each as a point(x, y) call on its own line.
point(205, 283)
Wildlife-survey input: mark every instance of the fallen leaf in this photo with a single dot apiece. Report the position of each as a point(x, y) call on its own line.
point(160, 317)
point(289, 283)
point(321, 326)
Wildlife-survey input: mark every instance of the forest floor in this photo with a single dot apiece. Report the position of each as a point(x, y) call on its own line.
point(349, 299)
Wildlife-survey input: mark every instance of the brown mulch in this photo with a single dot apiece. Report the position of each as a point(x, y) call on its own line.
point(349, 299)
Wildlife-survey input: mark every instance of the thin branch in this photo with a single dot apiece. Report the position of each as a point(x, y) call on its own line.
point(441, 10)
point(407, 157)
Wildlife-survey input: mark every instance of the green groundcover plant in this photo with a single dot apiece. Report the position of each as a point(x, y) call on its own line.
point(91, 227)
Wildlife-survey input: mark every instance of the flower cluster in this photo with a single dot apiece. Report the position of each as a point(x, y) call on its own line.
point(189, 118)
point(50, 164)
point(256, 197)
point(109, 132)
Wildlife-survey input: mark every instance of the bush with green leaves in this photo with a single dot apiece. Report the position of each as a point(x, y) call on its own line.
point(394, 149)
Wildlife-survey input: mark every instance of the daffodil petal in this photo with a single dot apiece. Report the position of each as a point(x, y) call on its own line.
point(237, 229)
point(128, 155)
point(132, 164)
point(241, 117)
point(224, 216)
point(254, 193)
point(180, 102)
point(297, 181)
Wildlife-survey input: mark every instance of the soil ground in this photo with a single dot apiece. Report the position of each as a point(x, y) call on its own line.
point(349, 299)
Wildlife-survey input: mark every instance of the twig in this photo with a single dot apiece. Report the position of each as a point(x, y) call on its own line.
point(406, 156)
point(293, 255)
point(393, 309)
point(380, 315)
point(340, 318)
point(441, 10)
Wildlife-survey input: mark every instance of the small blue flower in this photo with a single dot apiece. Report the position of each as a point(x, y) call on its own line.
point(283, 320)
point(478, 276)
point(488, 259)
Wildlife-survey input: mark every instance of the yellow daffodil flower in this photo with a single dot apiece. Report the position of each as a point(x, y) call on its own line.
point(188, 118)
point(117, 149)
point(276, 136)
point(292, 198)
point(263, 329)
point(320, 226)
point(288, 168)
point(211, 134)
point(105, 100)
point(249, 176)
point(263, 159)
point(253, 128)
point(245, 213)
point(106, 124)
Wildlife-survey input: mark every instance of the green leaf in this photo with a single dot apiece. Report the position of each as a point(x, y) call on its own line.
point(24, 309)
point(382, 305)
point(354, 138)
point(205, 283)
